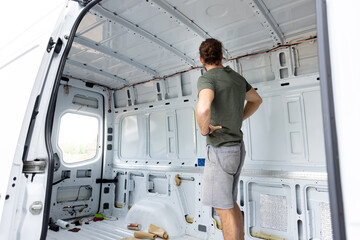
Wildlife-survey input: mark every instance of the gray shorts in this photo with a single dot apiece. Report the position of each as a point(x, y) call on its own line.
point(221, 175)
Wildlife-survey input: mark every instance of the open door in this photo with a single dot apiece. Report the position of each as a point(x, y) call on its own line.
point(28, 194)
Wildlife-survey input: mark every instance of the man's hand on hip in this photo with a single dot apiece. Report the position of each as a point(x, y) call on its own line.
point(213, 128)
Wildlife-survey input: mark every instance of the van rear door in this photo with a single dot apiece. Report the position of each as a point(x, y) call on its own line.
point(25, 203)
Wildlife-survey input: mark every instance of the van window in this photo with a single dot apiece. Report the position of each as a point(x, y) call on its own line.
point(78, 137)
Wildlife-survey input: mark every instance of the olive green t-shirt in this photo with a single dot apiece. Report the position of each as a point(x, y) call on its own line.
point(228, 105)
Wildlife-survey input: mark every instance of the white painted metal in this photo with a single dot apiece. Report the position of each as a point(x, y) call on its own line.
point(149, 133)
point(344, 59)
point(98, 71)
point(20, 223)
point(267, 20)
point(62, 207)
point(190, 24)
point(115, 54)
point(15, 54)
point(239, 30)
point(137, 29)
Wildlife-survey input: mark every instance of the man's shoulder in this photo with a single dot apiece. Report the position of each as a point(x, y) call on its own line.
point(206, 77)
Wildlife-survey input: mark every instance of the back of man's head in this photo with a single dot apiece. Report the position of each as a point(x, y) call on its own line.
point(211, 51)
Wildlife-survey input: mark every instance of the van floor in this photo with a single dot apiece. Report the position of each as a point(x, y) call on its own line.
point(100, 230)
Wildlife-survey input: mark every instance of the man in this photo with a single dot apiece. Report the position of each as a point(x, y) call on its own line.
point(220, 112)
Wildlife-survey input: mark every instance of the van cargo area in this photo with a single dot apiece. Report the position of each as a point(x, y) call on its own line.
point(124, 134)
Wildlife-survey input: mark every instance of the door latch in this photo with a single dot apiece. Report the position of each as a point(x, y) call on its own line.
point(36, 207)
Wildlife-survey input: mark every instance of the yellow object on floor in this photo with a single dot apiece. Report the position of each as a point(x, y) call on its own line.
point(158, 231)
point(144, 235)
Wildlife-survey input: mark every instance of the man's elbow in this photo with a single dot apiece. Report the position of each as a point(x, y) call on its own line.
point(204, 133)
point(203, 112)
point(256, 102)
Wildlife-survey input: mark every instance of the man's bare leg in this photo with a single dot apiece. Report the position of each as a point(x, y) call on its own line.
point(229, 223)
point(240, 220)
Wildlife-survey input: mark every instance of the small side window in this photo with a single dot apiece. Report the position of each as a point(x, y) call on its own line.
point(78, 137)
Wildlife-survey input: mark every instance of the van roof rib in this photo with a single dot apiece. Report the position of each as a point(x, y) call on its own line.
point(98, 71)
point(135, 28)
point(101, 48)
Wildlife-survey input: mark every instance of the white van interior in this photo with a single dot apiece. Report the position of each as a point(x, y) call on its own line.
point(124, 132)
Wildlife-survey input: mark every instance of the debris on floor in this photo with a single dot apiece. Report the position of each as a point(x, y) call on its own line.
point(158, 231)
point(134, 226)
point(74, 230)
point(54, 227)
point(144, 235)
point(62, 223)
point(99, 215)
point(77, 222)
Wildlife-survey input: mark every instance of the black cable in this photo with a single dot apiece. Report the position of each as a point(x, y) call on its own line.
point(54, 183)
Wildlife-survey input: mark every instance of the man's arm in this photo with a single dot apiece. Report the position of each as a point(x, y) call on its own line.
point(253, 101)
point(203, 112)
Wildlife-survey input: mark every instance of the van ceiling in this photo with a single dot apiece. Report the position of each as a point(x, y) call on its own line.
point(120, 43)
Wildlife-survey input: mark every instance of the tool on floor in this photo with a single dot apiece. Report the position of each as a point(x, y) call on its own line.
point(77, 222)
point(54, 227)
point(62, 223)
point(134, 226)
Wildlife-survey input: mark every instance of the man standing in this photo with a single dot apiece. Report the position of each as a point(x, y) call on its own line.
point(220, 112)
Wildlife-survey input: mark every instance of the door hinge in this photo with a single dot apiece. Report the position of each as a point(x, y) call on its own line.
point(58, 44)
point(35, 166)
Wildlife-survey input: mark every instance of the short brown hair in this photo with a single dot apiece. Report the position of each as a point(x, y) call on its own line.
point(211, 51)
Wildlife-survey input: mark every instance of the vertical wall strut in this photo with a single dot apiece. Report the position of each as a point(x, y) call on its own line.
point(267, 20)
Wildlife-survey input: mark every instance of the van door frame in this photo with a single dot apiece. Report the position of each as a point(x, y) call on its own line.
point(50, 116)
point(329, 121)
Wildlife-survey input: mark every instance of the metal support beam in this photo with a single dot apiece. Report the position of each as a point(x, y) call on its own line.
point(93, 45)
point(98, 71)
point(135, 28)
point(173, 11)
point(329, 125)
point(267, 20)
point(95, 25)
point(183, 19)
